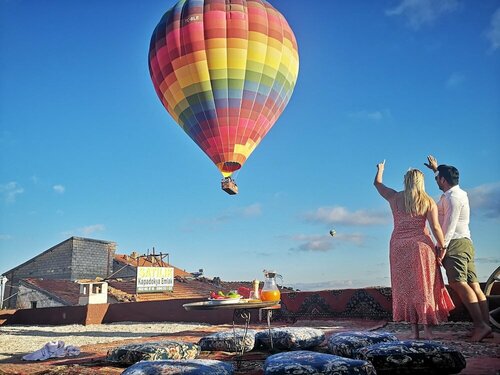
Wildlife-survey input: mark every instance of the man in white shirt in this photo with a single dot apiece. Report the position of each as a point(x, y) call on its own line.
point(458, 255)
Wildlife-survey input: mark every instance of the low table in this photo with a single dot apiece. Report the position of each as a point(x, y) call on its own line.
point(241, 309)
point(212, 305)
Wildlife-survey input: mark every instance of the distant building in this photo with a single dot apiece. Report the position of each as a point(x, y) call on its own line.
point(37, 293)
point(93, 292)
point(83, 270)
point(73, 259)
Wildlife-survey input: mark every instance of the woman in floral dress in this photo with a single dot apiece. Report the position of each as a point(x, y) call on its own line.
point(419, 295)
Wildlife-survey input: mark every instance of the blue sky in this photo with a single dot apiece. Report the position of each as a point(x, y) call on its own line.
point(87, 149)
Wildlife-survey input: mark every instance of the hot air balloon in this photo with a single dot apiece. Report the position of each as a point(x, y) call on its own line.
point(225, 71)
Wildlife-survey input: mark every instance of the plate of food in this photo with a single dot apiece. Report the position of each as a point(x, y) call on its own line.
point(224, 301)
point(221, 298)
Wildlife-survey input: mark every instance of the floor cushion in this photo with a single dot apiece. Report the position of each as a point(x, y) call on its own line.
point(291, 338)
point(412, 357)
point(188, 366)
point(132, 353)
point(307, 362)
point(345, 344)
point(225, 341)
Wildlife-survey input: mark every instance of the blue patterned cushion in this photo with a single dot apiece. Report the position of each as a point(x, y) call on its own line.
point(306, 362)
point(291, 338)
point(169, 367)
point(412, 357)
point(225, 341)
point(132, 353)
point(345, 344)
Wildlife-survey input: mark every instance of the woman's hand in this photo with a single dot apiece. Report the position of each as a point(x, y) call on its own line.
point(441, 257)
point(440, 254)
point(381, 166)
point(386, 192)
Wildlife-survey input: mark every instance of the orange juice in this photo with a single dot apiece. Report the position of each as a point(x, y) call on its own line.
point(270, 295)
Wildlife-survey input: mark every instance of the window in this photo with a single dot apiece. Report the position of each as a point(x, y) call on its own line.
point(33, 304)
point(96, 288)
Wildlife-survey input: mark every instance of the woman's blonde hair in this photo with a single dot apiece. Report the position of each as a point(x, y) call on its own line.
point(417, 201)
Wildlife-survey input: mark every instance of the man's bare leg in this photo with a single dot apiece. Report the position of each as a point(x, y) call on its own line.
point(469, 298)
point(481, 298)
point(483, 304)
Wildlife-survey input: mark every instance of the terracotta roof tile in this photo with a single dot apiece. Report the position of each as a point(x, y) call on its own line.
point(148, 262)
point(124, 289)
point(66, 290)
point(183, 288)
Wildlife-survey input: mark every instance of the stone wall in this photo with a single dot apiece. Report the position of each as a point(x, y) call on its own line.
point(27, 296)
point(368, 303)
point(123, 271)
point(54, 263)
point(92, 258)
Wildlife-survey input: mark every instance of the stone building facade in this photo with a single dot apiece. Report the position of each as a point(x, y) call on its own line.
point(30, 298)
point(73, 259)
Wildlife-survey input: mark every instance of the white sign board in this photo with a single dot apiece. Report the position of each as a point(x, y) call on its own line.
point(154, 279)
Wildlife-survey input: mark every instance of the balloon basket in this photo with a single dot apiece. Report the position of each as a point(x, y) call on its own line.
point(229, 186)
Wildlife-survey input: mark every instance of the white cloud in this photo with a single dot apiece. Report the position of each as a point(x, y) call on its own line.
point(315, 243)
point(489, 260)
point(422, 12)
point(10, 191)
point(252, 210)
point(486, 199)
point(356, 238)
point(493, 34)
point(239, 212)
point(232, 214)
point(341, 284)
point(280, 194)
point(59, 189)
point(455, 80)
point(340, 215)
point(323, 285)
point(371, 116)
point(92, 229)
point(323, 243)
point(86, 231)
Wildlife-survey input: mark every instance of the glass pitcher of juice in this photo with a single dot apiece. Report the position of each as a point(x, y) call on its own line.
point(270, 291)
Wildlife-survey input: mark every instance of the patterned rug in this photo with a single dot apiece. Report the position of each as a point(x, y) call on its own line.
point(482, 358)
point(455, 335)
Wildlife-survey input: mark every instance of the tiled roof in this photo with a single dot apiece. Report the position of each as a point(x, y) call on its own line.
point(124, 290)
point(148, 262)
point(66, 291)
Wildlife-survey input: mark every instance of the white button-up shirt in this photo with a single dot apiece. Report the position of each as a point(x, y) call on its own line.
point(454, 213)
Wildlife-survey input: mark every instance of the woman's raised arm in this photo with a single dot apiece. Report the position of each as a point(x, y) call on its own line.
point(383, 190)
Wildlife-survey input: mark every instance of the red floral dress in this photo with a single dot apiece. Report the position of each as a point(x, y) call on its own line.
point(418, 291)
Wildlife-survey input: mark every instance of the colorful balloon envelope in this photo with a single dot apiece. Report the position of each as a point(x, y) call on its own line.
point(225, 71)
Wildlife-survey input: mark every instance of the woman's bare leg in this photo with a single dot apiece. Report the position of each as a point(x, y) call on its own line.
point(428, 335)
point(414, 331)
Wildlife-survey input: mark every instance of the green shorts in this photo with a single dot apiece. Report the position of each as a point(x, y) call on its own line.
point(459, 261)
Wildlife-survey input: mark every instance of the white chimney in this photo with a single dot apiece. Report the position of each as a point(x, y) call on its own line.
point(3, 281)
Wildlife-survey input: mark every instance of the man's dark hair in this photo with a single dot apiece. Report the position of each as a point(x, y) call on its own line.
point(449, 173)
